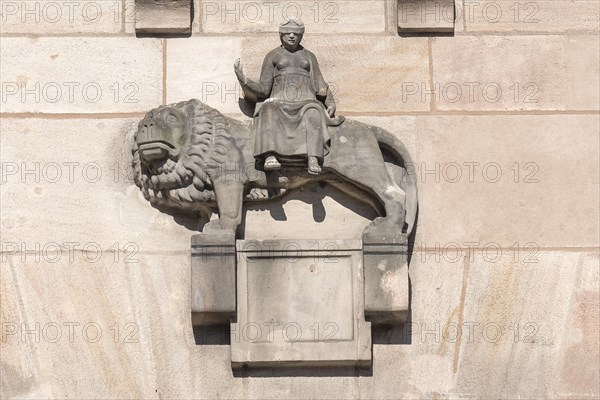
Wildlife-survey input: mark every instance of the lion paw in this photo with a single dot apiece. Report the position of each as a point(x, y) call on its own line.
point(258, 194)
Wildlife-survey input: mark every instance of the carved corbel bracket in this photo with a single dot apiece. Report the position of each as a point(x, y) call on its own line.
point(421, 16)
point(163, 17)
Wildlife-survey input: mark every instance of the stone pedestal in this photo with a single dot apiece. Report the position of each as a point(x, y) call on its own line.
point(386, 278)
point(300, 304)
point(213, 279)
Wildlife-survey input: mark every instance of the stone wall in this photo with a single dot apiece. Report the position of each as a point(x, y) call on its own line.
point(502, 120)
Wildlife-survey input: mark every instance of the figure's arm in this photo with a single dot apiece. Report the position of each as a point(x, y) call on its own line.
point(256, 91)
point(323, 91)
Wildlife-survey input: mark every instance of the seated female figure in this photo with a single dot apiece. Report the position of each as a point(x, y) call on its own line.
point(290, 125)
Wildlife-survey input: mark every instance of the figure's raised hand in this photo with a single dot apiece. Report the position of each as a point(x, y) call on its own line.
point(237, 66)
point(331, 110)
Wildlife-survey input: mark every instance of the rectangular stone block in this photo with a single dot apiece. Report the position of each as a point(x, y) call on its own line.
point(81, 310)
point(59, 75)
point(202, 68)
point(426, 16)
point(518, 311)
point(579, 363)
point(41, 17)
point(552, 16)
point(163, 17)
point(213, 279)
point(386, 279)
point(507, 181)
point(348, 16)
point(70, 180)
point(513, 73)
point(299, 306)
point(366, 74)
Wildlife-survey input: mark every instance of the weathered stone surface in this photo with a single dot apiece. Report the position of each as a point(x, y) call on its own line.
point(422, 352)
point(349, 16)
point(508, 179)
point(513, 73)
point(300, 304)
point(388, 62)
point(47, 75)
point(202, 68)
point(521, 309)
point(39, 17)
point(163, 17)
point(386, 278)
point(584, 76)
point(578, 375)
point(524, 16)
point(213, 279)
point(105, 293)
point(80, 174)
point(426, 16)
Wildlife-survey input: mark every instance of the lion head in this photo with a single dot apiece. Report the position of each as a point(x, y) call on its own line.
point(172, 145)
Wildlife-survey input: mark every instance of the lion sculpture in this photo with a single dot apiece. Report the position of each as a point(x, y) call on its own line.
point(189, 157)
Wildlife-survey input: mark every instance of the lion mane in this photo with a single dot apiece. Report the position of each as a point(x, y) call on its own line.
point(183, 181)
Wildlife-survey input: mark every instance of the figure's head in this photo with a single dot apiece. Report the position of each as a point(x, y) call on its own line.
point(291, 32)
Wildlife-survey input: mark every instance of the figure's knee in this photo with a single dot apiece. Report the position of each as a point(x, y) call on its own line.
point(313, 116)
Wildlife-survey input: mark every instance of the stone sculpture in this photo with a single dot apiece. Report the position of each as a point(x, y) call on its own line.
point(189, 157)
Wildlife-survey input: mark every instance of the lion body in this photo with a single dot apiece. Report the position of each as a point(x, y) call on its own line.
point(188, 156)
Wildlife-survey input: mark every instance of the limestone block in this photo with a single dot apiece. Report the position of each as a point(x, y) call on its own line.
point(202, 68)
point(386, 279)
point(69, 182)
point(213, 279)
point(552, 16)
point(57, 75)
point(519, 310)
point(39, 17)
point(423, 350)
point(349, 16)
point(80, 312)
point(163, 17)
point(300, 304)
point(579, 369)
point(490, 181)
point(514, 73)
point(426, 16)
point(19, 375)
point(392, 66)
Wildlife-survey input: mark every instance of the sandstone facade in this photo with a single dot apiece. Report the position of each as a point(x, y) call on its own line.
point(502, 121)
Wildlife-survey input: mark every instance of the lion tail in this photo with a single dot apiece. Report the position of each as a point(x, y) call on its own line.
point(408, 181)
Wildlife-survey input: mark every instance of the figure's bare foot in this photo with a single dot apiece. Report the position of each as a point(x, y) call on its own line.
point(313, 166)
point(271, 164)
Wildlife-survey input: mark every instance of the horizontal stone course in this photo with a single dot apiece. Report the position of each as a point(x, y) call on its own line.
point(519, 311)
point(77, 187)
point(552, 16)
point(83, 296)
point(203, 68)
point(513, 73)
point(41, 17)
point(508, 179)
point(80, 75)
